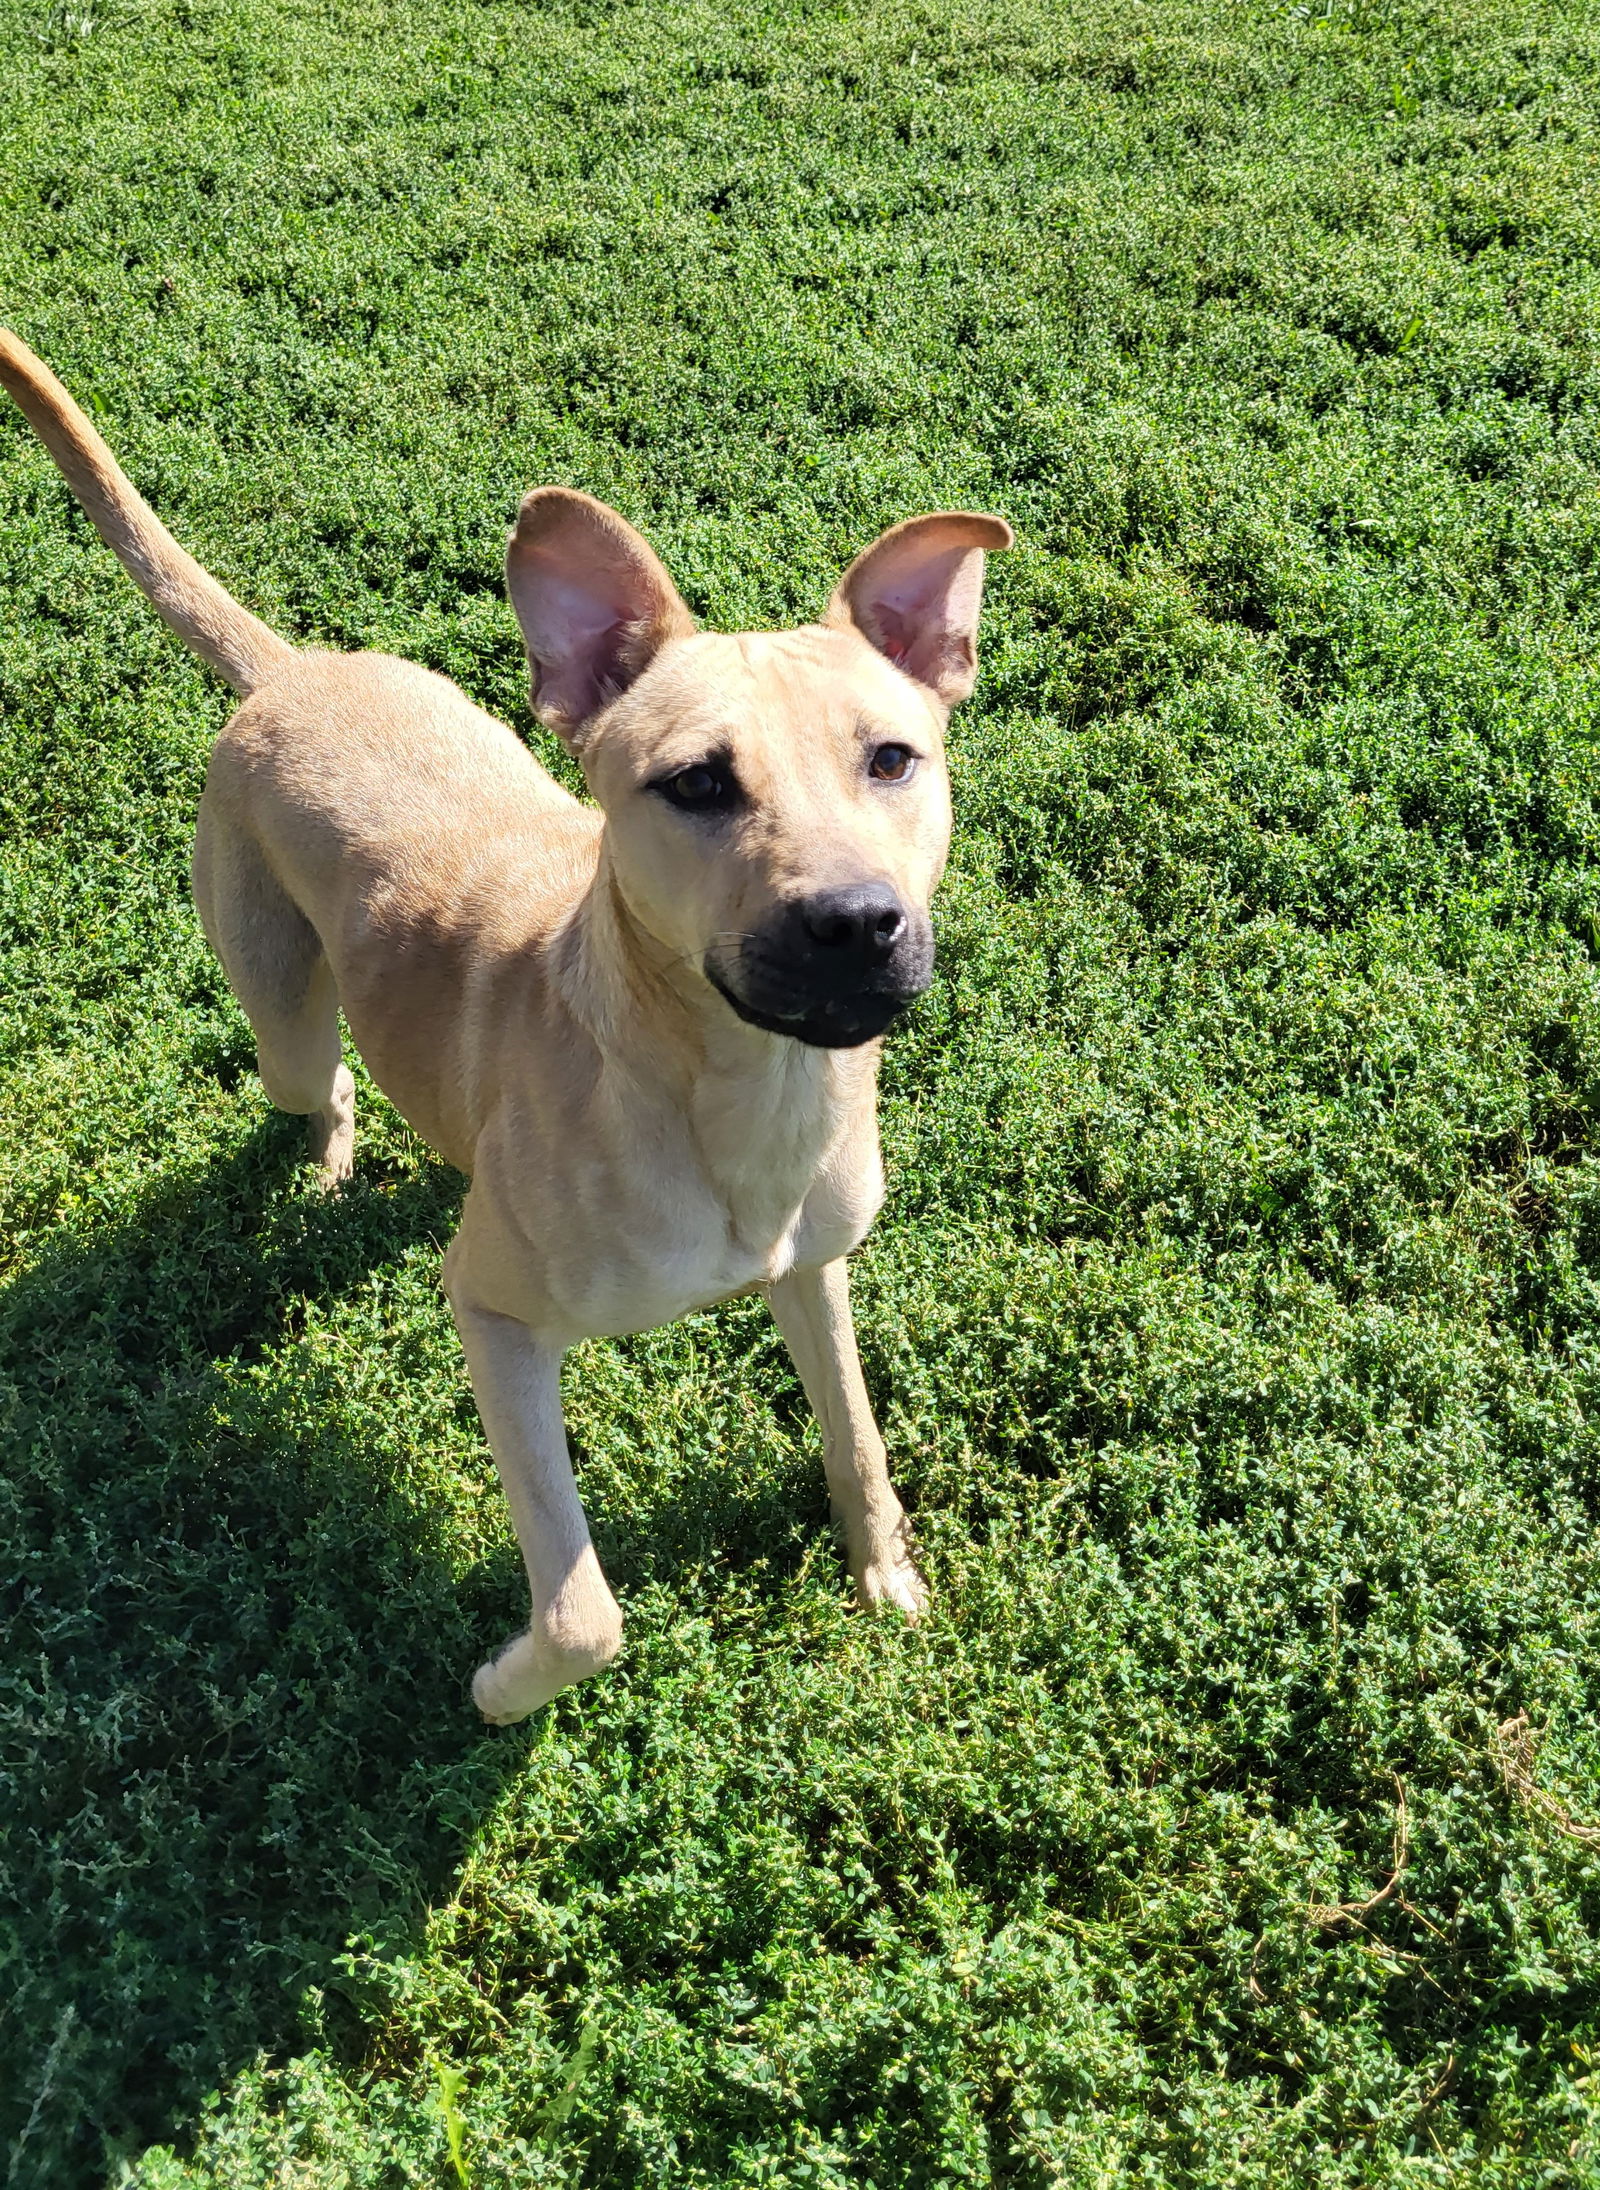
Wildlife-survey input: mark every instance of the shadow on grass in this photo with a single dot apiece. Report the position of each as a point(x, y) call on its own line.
point(234, 1726)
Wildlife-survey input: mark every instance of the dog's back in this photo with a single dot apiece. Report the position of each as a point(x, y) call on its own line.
point(429, 854)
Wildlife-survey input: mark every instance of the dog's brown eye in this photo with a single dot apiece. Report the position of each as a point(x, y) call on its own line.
point(695, 787)
point(893, 763)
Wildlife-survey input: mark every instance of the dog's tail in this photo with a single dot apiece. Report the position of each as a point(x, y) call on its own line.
point(205, 617)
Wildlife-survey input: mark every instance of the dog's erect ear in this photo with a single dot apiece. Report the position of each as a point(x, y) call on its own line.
point(915, 595)
point(593, 601)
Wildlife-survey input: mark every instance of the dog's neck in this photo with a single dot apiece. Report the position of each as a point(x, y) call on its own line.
point(766, 1111)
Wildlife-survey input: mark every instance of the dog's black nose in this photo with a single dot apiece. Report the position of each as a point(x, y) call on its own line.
point(867, 919)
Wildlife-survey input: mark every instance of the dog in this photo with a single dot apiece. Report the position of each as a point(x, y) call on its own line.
point(648, 1029)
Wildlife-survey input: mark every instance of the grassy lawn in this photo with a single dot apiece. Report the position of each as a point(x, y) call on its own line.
point(1235, 1316)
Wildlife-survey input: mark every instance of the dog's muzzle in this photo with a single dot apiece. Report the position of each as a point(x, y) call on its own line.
point(834, 970)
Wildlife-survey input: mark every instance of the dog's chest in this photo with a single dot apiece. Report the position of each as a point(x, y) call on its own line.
point(634, 1206)
point(739, 1204)
point(661, 1253)
point(761, 1176)
point(760, 1142)
point(708, 1254)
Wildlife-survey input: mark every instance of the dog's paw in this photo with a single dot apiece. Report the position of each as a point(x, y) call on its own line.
point(331, 1134)
point(529, 1671)
point(893, 1581)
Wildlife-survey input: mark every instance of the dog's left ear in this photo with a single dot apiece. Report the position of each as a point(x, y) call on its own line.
point(915, 595)
point(594, 602)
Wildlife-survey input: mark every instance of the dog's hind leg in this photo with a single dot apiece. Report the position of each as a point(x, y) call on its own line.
point(277, 970)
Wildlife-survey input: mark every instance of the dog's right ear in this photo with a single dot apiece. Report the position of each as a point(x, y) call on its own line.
point(594, 603)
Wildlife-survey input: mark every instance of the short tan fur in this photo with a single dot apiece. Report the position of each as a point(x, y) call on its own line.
point(648, 1029)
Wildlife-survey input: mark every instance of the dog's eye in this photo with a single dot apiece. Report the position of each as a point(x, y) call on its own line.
point(893, 763)
point(695, 787)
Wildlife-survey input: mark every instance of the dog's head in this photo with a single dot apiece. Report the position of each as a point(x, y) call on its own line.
point(776, 802)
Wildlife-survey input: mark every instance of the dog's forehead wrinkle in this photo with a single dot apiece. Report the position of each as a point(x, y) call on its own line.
point(825, 680)
point(765, 700)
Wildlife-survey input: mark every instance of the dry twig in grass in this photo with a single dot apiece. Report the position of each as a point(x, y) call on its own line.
point(1518, 1745)
point(1327, 1913)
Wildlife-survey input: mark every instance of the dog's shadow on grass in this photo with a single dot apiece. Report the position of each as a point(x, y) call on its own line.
point(234, 1724)
point(235, 1728)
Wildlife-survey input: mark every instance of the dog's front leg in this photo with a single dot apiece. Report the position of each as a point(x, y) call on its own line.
point(575, 1627)
point(812, 1309)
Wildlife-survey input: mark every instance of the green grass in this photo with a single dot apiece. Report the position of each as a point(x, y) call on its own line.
point(1235, 1316)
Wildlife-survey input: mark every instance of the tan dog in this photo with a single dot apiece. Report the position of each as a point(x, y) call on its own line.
point(649, 1033)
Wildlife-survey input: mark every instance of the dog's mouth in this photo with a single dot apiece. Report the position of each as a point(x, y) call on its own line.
point(833, 1022)
point(834, 979)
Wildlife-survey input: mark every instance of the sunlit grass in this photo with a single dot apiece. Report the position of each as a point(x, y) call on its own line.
point(1234, 1315)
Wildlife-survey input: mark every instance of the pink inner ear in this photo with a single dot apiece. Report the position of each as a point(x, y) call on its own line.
point(593, 602)
point(575, 638)
point(915, 595)
point(892, 638)
point(921, 612)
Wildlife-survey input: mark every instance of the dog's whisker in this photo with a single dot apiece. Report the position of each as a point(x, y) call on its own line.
point(722, 935)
